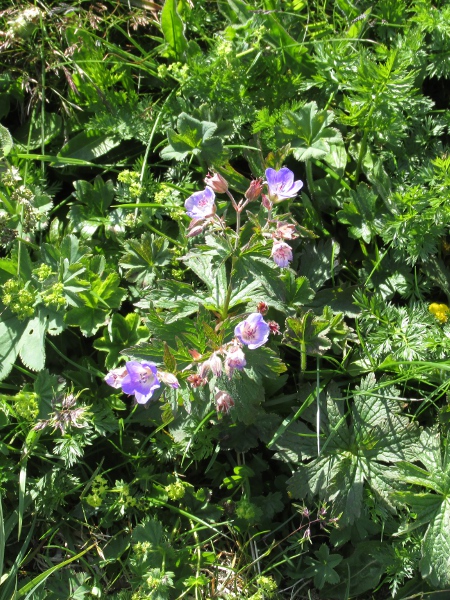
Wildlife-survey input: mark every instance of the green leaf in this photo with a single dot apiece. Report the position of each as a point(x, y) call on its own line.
point(173, 29)
point(194, 137)
point(6, 142)
point(354, 456)
point(307, 334)
point(322, 569)
point(120, 333)
point(360, 213)
point(88, 145)
point(142, 258)
point(51, 127)
point(308, 132)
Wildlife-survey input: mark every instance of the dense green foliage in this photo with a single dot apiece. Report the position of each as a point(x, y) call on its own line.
point(329, 472)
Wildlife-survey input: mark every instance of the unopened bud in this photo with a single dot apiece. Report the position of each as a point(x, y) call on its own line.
point(274, 327)
point(224, 402)
point(217, 183)
point(168, 379)
point(215, 365)
point(266, 202)
point(196, 381)
point(255, 189)
point(262, 308)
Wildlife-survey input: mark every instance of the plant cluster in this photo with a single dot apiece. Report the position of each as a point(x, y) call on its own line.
point(224, 300)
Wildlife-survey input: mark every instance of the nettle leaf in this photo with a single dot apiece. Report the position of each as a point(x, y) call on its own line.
point(176, 297)
point(142, 258)
point(318, 262)
point(195, 137)
point(356, 455)
point(120, 333)
point(213, 275)
point(432, 508)
point(308, 132)
point(360, 213)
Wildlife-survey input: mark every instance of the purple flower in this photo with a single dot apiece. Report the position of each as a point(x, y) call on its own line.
point(282, 254)
point(253, 331)
point(141, 380)
point(201, 204)
point(281, 184)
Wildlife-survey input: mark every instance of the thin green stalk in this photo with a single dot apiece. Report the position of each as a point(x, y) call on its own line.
point(309, 178)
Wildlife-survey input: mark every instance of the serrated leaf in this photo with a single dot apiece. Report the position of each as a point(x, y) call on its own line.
point(120, 333)
point(359, 213)
point(308, 132)
point(307, 334)
point(142, 257)
point(32, 344)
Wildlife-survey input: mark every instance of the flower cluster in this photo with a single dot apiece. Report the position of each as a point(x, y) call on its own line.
point(440, 311)
point(140, 379)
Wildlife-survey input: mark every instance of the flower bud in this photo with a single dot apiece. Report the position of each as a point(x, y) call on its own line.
point(285, 231)
point(262, 308)
point(196, 381)
point(255, 189)
point(266, 202)
point(215, 365)
point(274, 327)
point(216, 182)
point(115, 377)
point(235, 359)
point(224, 402)
point(168, 379)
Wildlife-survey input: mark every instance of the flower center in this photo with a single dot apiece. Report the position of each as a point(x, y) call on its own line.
point(145, 375)
point(249, 332)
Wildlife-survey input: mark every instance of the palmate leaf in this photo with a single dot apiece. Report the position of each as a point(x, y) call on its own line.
point(432, 507)
point(142, 258)
point(194, 137)
point(322, 568)
point(120, 333)
point(308, 132)
point(356, 455)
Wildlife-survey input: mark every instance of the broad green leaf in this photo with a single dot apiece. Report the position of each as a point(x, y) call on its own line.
point(307, 333)
point(353, 456)
point(173, 29)
point(88, 145)
point(308, 132)
point(194, 137)
point(121, 333)
point(6, 142)
point(143, 257)
point(51, 127)
point(322, 568)
point(360, 213)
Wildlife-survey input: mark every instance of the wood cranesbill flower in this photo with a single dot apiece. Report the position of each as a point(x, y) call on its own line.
point(253, 331)
point(115, 377)
point(141, 380)
point(235, 359)
point(282, 254)
point(281, 184)
point(201, 204)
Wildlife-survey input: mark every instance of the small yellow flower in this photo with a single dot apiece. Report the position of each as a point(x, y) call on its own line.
point(440, 311)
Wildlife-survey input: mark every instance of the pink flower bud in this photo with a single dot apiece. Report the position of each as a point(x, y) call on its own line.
point(168, 379)
point(235, 359)
point(282, 254)
point(115, 377)
point(196, 381)
point(262, 308)
point(285, 231)
point(216, 182)
point(224, 402)
point(274, 327)
point(255, 189)
point(215, 365)
point(266, 202)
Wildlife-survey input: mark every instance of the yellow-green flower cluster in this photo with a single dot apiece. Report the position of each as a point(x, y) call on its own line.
point(440, 311)
point(176, 491)
point(132, 180)
point(99, 490)
point(42, 272)
point(26, 405)
point(54, 295)
point(18, 299)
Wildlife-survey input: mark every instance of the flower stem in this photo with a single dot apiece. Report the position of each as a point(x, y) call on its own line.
point(309, 178)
